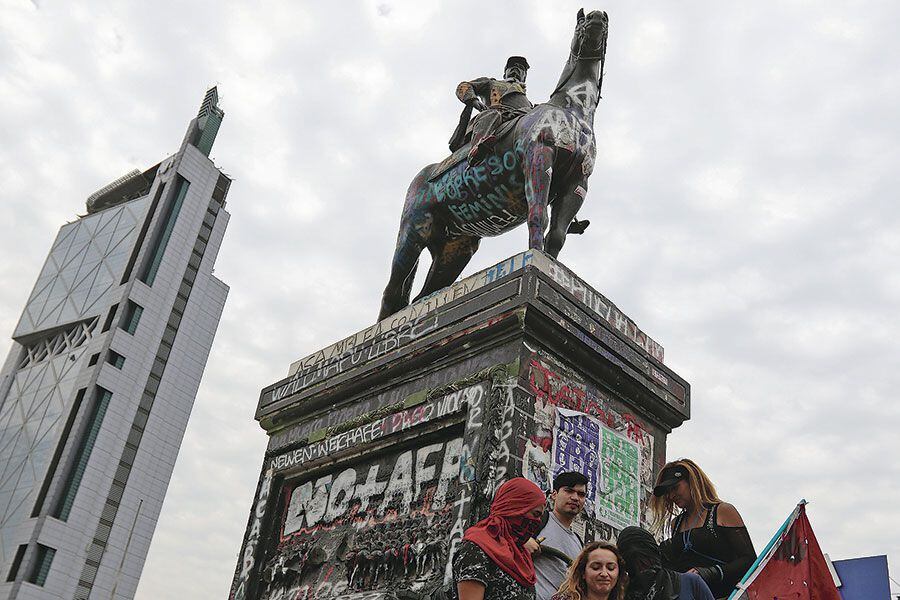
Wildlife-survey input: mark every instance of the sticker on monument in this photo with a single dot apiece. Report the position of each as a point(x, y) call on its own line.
point(536, 466)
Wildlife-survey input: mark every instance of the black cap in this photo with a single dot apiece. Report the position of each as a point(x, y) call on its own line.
point(669, 478)
point(569, 479)
point(517, 60)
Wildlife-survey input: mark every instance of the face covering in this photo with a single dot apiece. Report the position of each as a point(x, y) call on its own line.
point(503, 532)
point(524, 528)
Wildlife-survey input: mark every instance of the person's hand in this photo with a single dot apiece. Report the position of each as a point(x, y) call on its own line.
point(533, 546)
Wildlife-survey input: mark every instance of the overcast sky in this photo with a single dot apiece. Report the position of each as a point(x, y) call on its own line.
point(744, 212)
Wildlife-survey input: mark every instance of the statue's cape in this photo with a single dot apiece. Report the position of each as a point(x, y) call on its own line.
point(462, 153)
point(451, 161)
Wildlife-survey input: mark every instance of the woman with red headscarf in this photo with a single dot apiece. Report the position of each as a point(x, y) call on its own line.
point(491, 562)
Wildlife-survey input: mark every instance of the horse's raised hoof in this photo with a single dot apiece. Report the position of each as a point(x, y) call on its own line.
point(577, 227)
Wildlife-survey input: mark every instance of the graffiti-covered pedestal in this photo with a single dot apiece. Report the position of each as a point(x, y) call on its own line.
point(385, 446)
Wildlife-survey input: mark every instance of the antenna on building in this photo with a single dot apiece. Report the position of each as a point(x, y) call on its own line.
point(209, 119)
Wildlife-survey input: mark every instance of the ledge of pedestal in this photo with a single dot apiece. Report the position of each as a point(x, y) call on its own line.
point(529, 295)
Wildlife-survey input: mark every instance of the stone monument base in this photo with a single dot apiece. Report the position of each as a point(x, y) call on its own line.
point(385, 446)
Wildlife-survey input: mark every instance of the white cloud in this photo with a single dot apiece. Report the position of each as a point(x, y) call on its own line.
point(391, 18)
point(364, 80)
point(718, 187)
point(651, 43)
point(843, 28)
point(617, 147)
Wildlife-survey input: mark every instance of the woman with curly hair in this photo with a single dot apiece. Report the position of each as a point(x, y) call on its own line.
point(597, 573)
point(704, 535)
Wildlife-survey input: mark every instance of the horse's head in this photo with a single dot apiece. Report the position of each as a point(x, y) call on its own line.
point(589, 42)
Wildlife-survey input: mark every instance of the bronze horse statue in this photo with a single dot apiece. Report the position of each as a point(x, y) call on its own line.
point(544, 161)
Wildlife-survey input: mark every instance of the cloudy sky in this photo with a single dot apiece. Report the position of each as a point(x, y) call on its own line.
point(744, 212)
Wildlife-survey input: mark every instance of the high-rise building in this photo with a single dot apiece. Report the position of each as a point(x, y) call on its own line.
point(99, 384)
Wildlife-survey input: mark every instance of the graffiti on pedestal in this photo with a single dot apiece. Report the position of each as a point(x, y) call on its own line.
point(247, 563)
point(381, 427)
point(379, 502)
point(598, 304)
point(381, 517)
point(577, 426)
point(349, 353)
point(382, 522)
point(400, 328)
point(502, 433)
point(395, 396)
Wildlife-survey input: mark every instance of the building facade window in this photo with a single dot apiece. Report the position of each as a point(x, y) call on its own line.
point(115, 359)
point(57, 455)
point(132, 317)
point(109, 317)
point(79, 464)
point(42, 562)
point(162, 239)
point(63, 342)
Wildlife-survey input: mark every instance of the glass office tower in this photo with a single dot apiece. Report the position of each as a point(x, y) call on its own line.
point(99, 384)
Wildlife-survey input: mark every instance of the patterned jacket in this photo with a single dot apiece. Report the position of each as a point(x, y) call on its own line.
point(496, 93)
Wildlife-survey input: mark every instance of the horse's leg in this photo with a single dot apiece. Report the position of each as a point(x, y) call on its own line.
point(416, 232)
point(407, 285)
point(448, 261)
point(403, 271)
point(538, 172)
point(564, 209)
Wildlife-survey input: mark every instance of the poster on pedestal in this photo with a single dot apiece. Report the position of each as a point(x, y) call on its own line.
point(576, 447)
point(619, 503)
point(611, 462)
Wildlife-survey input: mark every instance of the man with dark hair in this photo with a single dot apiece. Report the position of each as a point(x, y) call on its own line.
point(557, 544)
point(499, 100)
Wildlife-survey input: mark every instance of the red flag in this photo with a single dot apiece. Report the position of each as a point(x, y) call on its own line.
point(793, 569)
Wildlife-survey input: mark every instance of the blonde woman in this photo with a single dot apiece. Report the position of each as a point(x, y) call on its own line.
point(704, 535)
point(597, 573)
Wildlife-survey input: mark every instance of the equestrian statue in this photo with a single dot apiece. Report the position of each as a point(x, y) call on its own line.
point(509, 165)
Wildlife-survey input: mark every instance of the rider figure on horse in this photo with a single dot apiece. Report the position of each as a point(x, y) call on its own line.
point(498, 100)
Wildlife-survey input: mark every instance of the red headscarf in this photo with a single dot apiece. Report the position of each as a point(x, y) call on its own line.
point(498, 535)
